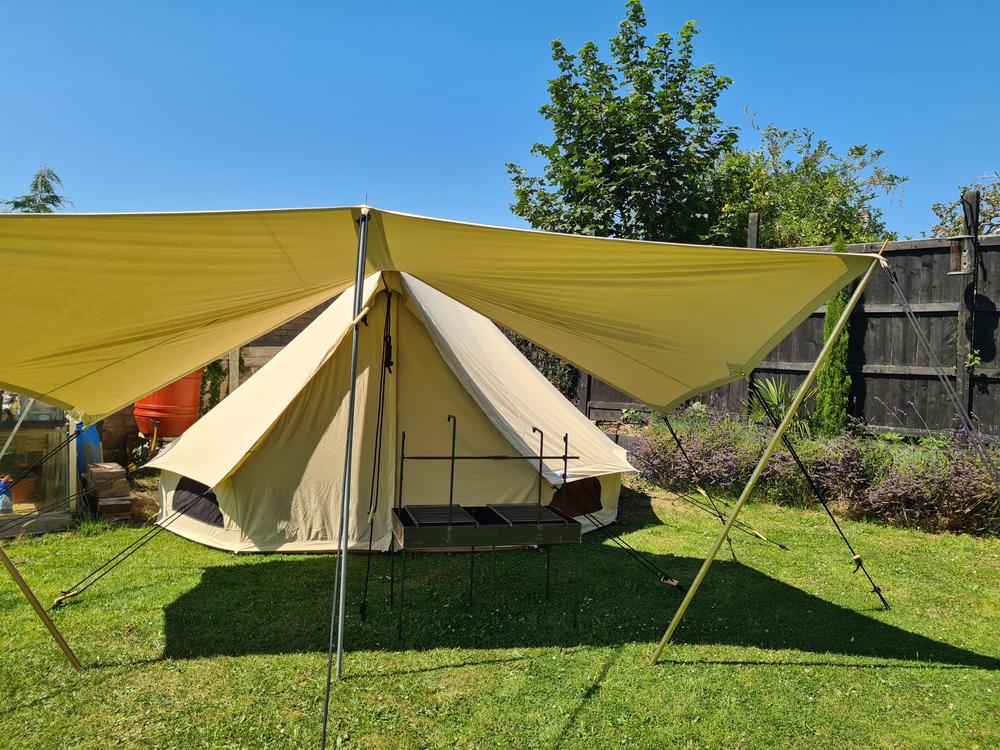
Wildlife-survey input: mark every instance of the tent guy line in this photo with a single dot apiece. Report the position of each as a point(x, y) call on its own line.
point(386, 368)
point(821, 498)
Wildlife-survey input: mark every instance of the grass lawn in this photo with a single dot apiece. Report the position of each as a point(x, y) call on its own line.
point(189, 647)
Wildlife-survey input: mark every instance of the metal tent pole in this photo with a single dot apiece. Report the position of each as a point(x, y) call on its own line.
point(17, 426)
point(340, 586)
point(345, 502)
point(772, 446)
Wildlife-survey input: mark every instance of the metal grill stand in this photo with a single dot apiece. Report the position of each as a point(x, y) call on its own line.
point(458, 528)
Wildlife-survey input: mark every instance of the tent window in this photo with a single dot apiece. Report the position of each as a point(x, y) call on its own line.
point(204, 505)
point(579, 497)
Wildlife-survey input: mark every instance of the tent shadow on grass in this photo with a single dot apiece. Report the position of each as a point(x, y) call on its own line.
point(282, 605)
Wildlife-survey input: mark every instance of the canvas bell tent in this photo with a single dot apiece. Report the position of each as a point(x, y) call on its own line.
point(273, 450)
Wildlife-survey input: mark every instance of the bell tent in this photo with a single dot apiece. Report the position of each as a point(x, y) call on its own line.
point(273, 450)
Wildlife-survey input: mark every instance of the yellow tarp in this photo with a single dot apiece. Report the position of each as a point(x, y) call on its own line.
point(102, 309)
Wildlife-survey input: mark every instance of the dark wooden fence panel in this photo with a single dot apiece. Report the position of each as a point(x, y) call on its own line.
point(894, 383)
point(985, 385)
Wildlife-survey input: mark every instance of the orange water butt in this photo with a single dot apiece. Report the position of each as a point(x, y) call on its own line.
point(172, 409)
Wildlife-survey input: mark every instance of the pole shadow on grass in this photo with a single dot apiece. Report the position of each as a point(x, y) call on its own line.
point(281, 605)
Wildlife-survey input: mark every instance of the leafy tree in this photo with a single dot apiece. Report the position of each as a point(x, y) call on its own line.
point(558, 372)
point(42, 197)
point(804, 192)
point(833, 382)
point(949, 215)
point(635, 139)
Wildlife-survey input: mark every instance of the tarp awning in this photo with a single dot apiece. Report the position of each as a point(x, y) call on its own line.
point(102, 309)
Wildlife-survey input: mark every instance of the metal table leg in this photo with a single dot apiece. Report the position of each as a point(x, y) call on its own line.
point(392, 571)
point(548, 566)
point(402, 587)
point(576, 598)
point(472, 572)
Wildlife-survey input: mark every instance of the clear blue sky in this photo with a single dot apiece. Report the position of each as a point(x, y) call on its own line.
point(211, 105)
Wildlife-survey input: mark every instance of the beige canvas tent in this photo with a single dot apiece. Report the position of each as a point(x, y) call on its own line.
point(273, 450)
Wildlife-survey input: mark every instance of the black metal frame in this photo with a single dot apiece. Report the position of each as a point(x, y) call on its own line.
point(457, 528)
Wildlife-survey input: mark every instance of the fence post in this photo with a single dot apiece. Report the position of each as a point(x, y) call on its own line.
point(583, 393)
point(967, 303)
point(753, 227)
point(234, 370)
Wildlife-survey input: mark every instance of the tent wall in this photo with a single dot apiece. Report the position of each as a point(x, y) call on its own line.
point(228, 537)
point(285, 495)
point(428, 393)
point(514, 395)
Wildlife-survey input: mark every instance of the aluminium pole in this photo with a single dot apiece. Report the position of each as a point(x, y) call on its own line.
point(340, 577)
point(769, 451)
point(345, 503)
point(17, 426)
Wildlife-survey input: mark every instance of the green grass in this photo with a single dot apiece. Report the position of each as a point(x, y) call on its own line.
point(189, 647)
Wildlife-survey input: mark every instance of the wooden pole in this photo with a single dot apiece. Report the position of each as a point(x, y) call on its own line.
point(39, 609)
point(772, 446)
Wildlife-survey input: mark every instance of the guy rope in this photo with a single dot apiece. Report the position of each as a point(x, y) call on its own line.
point(712, 506)
point(820, 494)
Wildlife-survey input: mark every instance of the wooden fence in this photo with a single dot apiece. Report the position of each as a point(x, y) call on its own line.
point(894, 385)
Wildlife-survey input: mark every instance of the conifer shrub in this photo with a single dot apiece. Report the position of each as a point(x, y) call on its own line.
point(833, 382)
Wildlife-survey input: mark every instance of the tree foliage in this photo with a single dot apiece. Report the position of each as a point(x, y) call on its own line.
point(833, 382)
point(949, 215)
point(557, 371)
point(635, 139)
point(42, 197)
point(638, 151)
point(804, 192)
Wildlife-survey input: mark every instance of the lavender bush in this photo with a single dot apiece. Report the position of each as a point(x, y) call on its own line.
point(939, 485)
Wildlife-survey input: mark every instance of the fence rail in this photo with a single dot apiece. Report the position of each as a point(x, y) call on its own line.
point(893, 382)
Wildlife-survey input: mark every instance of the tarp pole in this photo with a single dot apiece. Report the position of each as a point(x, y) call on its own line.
point(345, 502)
point(772, 446)
point(39, 609)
